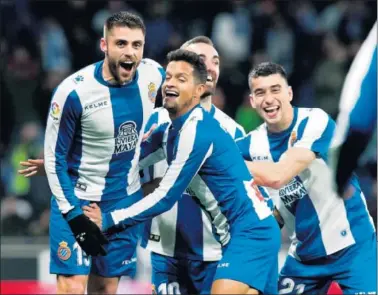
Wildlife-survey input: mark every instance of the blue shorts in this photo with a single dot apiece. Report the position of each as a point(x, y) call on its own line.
point(354, 268)
point(66, 257)
point(181, 276)
point(253, 259)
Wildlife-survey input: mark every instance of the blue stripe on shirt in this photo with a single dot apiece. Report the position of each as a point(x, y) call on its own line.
point(69, 122)
point(126, 103)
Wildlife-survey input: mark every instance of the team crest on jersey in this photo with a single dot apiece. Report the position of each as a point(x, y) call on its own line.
point(64, 252)
point(291, 193)
point(152, 92)
point(127, 137)
point(293, 137)
point(55, 111)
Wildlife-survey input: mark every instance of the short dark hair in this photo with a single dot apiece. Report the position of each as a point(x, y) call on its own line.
point(199, 67)
point(125, 19)
point(266, 69)
point(198, 39)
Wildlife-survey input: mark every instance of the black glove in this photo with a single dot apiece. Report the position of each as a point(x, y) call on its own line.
point(88, 235)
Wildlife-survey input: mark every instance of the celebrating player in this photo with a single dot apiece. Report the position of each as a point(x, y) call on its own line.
point(185, 253)
point(92, 147)
point(358, 110)
point(332, 238)
point(200, 153)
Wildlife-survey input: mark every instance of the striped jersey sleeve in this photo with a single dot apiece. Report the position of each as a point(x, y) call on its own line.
point(239, 132)
point(358, 101)
point(244, 144)
point(152, 150)
point(63, 121)
point(316, 133)
point(192, 150)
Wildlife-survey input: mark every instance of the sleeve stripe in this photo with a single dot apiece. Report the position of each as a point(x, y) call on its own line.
point(352, 85)
point(152, 159)
point(314, 129)
point(52, 137)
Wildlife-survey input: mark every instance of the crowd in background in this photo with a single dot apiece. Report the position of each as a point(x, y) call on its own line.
point(42, 42)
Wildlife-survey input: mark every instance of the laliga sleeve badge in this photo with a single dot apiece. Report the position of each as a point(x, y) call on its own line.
point(152, 92)
point(64, 252)
point(55, 111)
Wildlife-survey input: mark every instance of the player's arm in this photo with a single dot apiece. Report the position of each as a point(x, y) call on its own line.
point(317, 134)
point(193, 149)
point(63, 120)
point(152, 149)
point(276, 175)
point(362, 123)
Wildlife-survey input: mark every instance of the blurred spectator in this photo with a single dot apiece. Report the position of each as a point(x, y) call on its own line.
point(56, 55)
point(329, 75)
point(232, 33)
point(329, 19)
point(161, 35)
point(21, 69)
point(15, 216)
point(27, 145)
point(280, 43)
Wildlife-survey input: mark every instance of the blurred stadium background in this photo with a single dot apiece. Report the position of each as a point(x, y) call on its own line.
point(42, 42)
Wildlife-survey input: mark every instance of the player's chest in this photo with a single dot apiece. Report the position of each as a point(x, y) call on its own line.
point(118, 112)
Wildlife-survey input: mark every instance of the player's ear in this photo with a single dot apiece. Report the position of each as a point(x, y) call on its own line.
point(200, 90)
point(290, 91)
point(252, 100)
point(103, 45)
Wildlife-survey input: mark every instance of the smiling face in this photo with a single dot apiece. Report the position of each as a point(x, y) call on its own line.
point(210, 57)
point(271, 97)
point(123, 47)
point(181, 91)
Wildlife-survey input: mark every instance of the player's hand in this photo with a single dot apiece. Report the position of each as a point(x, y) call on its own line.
point(88, 235)
point(93, 212)
point(34, 167)
point(148, 133)
point(150, 186)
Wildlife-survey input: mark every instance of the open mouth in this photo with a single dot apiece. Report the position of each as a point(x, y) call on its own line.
point(127, 65)
point(171, 94)
point(209, 79)
point(271, 111)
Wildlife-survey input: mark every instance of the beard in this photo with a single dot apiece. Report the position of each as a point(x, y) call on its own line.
point(113, 68)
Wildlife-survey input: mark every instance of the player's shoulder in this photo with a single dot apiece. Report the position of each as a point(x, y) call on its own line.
point(147, 62)
point(151, 74)
point(148, 66)
point(260, 130)
point(161, 115)
point(226, 121)
point(314, 114)
point(77, 80)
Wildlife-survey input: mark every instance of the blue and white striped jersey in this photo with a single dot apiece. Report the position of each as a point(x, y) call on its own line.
point(200, 153)
point(185, 231)
point(93, 134)
point(320, 222)
point(358, 102)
